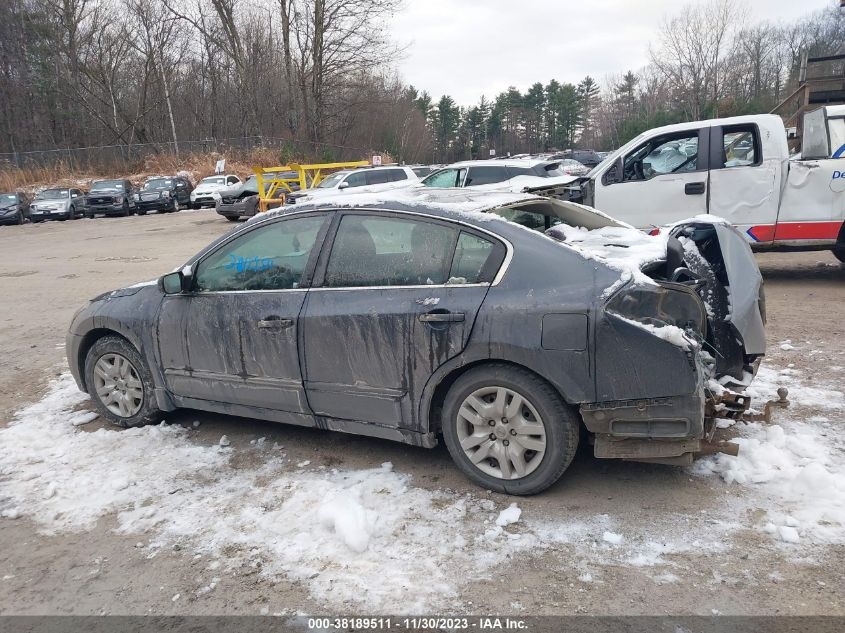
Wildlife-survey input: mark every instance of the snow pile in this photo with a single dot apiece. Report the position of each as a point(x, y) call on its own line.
point(509, 515)
point(796, 464)
point(669, 333)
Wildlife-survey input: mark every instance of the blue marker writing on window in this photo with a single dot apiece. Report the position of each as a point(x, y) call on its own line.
point(245, 264)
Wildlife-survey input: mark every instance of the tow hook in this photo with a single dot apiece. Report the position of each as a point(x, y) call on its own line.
point(781, 403)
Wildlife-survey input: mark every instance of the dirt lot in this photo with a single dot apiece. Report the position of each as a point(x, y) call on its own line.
point(610, 538)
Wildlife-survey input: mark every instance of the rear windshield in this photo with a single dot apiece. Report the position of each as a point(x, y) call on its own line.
point(107, 185)
point(158, 184)
point(53, 194)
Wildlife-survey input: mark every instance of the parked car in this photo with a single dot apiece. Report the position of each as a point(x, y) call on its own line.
point(241, 200)
point(14, 208)
point(164, 194)
point(475, 173)
point(207, 192)
point(586, 157)
point(57, 204)
point(422, 171)
point(111, 197)
point(438, 313)
point(362, 179)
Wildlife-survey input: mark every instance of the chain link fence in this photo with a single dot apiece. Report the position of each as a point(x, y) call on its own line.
point(128, 155)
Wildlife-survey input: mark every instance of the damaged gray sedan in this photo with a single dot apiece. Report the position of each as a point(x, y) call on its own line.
point(511, 325)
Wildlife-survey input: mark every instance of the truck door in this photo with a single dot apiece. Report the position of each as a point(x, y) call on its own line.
point(745, 186)
point(663, 179)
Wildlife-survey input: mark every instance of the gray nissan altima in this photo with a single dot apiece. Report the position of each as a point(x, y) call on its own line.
point(510, 325)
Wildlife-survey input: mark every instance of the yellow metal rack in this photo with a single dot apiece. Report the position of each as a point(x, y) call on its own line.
point(273, 186)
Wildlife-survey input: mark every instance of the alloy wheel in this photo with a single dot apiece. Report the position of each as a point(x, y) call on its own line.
point(118, 385)
point(501, 432)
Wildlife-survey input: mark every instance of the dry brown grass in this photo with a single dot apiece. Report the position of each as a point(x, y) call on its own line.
point(195, 165)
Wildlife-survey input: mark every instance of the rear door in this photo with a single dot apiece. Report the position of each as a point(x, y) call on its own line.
point(234, 338)
point(744, 188)
point(664, 179)
point(398, 295)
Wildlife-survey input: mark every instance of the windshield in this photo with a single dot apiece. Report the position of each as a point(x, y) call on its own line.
point(7, 198)
point(107, 185)
point(158, 184)
point(213, 180)
point(333, 180)
point(53, 194)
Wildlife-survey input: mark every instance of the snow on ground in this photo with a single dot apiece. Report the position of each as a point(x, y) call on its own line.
point(336, 531)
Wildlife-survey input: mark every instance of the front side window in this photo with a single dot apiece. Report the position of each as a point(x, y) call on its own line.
point(332, 181)
point(272, 257)
point(377, 177)
point(662, 155)
point(739, 147)
point(451, 177)
point(486, 175)
point(356, 179)
point(382, 251)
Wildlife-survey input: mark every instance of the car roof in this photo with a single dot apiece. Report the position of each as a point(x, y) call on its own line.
point(503, 162)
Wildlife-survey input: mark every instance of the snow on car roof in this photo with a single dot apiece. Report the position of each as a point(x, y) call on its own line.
point(504, 162)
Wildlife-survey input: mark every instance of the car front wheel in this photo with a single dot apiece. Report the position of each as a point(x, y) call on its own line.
point(508, 430)
point(120, 383)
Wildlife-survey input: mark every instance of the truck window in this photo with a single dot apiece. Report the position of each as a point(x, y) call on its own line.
point(739, 146)
point(661, 155)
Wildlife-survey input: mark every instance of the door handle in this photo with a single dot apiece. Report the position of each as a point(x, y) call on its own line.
point(275, 323)
point(442, 317)
point(694, 188)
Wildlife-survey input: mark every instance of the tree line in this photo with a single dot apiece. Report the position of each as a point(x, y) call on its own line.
point(323, 74)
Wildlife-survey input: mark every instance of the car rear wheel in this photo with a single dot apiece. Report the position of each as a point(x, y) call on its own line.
point(120, 383)
point(839, 252)
point(508, 430)
point(233, 218)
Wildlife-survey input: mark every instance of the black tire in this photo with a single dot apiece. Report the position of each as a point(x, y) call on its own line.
point(142, 212)
point(175, 208)
point(148, 411)
point(562, 427)
point(839, 252)
point(233, 218)
point(126, 212)
point(89, 216)
point(19, 218)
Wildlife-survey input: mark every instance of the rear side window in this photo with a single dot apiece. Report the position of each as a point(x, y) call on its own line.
point(380, 251)
point(395, 175)
point(472, 261)
point(520, 171)
point(740, 146)
point(485, 175)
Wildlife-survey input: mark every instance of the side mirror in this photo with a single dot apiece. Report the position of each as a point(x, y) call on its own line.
point(175, 283)
point(343, 185)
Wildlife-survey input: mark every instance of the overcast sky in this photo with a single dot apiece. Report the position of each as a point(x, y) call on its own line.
point(466, 48)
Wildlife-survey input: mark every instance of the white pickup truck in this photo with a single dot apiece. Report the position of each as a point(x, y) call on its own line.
point(737, 168)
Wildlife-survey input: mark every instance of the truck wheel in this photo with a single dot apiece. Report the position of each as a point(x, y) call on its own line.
point(508, 430)
point(125, 211)
point(176, 206)
point(89, 216)
point(120, 383)
point(19, 218)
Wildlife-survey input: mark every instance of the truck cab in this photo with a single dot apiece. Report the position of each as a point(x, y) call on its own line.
point(737, 168)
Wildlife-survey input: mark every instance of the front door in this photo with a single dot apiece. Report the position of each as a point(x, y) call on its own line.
point(663, 180)
point(234, 338)
point(398, 299)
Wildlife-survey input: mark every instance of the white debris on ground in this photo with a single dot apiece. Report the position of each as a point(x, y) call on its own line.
point(336, 531)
